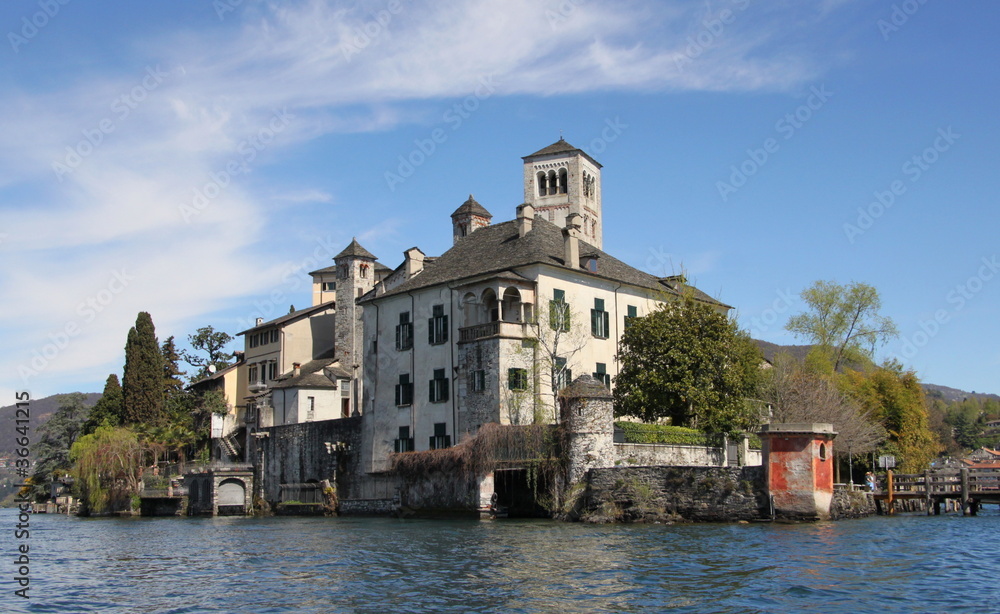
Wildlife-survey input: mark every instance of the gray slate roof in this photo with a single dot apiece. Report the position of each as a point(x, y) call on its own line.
point(498, 248)
point(473, 207)
point(355, 250)
point(560, 146)
point(291, 317)
point(311, 375)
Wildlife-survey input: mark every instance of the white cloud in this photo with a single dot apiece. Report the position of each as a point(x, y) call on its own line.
point(197, 107)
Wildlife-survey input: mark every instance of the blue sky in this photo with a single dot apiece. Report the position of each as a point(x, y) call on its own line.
point(195, 159)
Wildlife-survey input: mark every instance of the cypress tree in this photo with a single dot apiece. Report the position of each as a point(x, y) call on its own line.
point(142, 384)
point(172, 382)
point(109, 409)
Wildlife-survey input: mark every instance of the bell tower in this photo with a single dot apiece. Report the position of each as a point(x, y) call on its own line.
point(560, 180)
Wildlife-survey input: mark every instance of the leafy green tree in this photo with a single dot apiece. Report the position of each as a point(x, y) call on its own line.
point(54, 440)
point(213, 343)
point(107, 465)
point(172, 374)
point(896, 398)
point(109, 409)
point(142, 384)
point(689, 363)
point(844, 321)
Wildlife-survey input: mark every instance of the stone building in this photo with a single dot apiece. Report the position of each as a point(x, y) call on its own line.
point(493, 328)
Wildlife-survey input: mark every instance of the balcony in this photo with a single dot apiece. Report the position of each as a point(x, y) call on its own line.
point(510, 330)
point(258, 386)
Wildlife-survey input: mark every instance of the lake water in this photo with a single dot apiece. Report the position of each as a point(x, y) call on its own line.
point(159, 565)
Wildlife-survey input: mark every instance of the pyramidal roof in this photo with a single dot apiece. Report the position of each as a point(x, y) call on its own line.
point(471, 206)
point(355, 250)
point(559, 147)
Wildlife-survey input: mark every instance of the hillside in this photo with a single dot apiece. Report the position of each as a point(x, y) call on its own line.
point(798, 352)
point(41, 410)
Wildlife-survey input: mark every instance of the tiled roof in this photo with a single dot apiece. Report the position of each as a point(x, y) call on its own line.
point(560, 146)
point(295, 315)
point(333, 269)
point(311, 374)
point(498, 248)
point(471, 206)
point(356, 251)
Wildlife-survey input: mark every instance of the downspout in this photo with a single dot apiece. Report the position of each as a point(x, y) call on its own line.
point(413, 367)
point(454, 372)
point(618, 319)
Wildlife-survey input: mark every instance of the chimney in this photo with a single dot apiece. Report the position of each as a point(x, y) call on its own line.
point(296, 369)
point(414, 259)
point(571, 241)
point(525, 216)
point(259, 321)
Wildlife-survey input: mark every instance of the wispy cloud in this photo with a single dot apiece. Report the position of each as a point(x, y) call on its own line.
point(93, 173)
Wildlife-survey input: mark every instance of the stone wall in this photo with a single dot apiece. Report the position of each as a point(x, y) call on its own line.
point(440, 492)
point(311, 452)
point(851, 504)
point(657, 494)
point(647, 454)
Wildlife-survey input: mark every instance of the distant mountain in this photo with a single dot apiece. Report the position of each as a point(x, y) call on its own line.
point(41, 410)
point(954, 394)
point(798, 352)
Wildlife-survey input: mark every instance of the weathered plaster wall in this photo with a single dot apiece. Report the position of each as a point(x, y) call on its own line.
point(296, 453)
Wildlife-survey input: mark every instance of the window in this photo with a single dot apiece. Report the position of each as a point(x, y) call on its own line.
point(559, 311)
point(602, 376)
point(253, 341)
point(561, 375)
point(563, 181)
point(252, 374)
point(363, 271)
point(311, 410)
point(440, 439)
point(541, 184)
point(404, 332)
point(517, 379)
point(404, 443)
point(592, 264)
point(632, 313)
point(404, 390)
point(477, 380)
point(439, 387)
point(599, 319)
point(329, 286)
point(437, 326)
point(274, 336)
point(272, 370)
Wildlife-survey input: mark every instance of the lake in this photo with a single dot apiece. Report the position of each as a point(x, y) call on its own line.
point(158, 565)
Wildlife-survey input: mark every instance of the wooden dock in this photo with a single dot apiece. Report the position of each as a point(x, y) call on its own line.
point(969, 487)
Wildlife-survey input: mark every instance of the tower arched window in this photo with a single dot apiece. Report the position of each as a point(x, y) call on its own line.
point(553, 183)
point(563, 181)
point(363, 271)
point(541, 184)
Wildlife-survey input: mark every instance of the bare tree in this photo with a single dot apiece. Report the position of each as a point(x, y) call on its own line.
point(795, 395)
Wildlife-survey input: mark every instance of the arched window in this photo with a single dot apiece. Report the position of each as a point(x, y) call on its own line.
point(490, 305)
point(363, 271)
point(541, 184)
point(563, 181)
point(822, 451)
point(553, 183)
point(511, 307)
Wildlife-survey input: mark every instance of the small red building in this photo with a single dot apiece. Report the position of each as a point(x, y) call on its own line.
point(798, 461)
